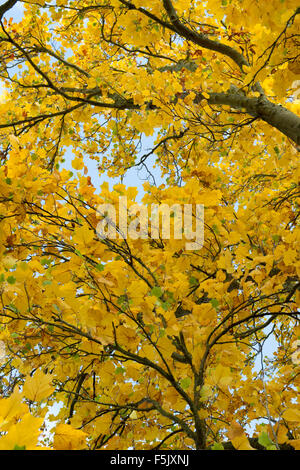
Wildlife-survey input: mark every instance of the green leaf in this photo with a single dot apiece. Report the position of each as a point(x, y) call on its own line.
point(193, 281)
point(217, 446)
point(165, 306)
point(122, 300)
point(11, 279)
point(99, 267)
point(115, 130)
point(19, 447)
point(265, 441)
point(156, 291)
point(214, 303)
point(185, 383)
point(13, 308)
point(215, 229)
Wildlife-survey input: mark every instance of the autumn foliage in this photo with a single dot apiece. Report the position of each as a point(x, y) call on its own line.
point(140, 343)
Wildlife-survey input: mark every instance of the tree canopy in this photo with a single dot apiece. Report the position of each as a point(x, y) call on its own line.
point(139, 343)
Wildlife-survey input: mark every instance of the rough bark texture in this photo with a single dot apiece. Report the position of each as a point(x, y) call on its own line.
point(275, 115)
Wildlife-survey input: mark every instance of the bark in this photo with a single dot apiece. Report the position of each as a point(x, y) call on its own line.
point(7, 6)
point(275, 115)
point(201, 39)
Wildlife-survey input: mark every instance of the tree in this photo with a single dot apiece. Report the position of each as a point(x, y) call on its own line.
point(144, 343)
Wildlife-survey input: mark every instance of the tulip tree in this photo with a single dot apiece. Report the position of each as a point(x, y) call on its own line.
point(138, 342)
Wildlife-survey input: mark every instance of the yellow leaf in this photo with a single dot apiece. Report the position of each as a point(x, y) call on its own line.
point(23, 434)
point(221, 376)
point(295, 443)
point(225, 262)
point(68, 438)
point(296, 354)
point(102, 280)
point(83, 236)
point(234, 237)
point(290, 257)
point(103, 424)
point(38, 387)
point(292, 414)
point(133, 415)
point(238, 438)
point(3, 422)
point(294, 66)
point(12, 406)
point(9, 262)
point(246, 68)
point(206, 393)
point(282, 434)
point(77, 163)
point(14, 141)
point(203, 414)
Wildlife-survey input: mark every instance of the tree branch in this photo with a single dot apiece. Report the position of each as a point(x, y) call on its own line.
point(201, 39)
point(276, 115)
point(7, 6)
